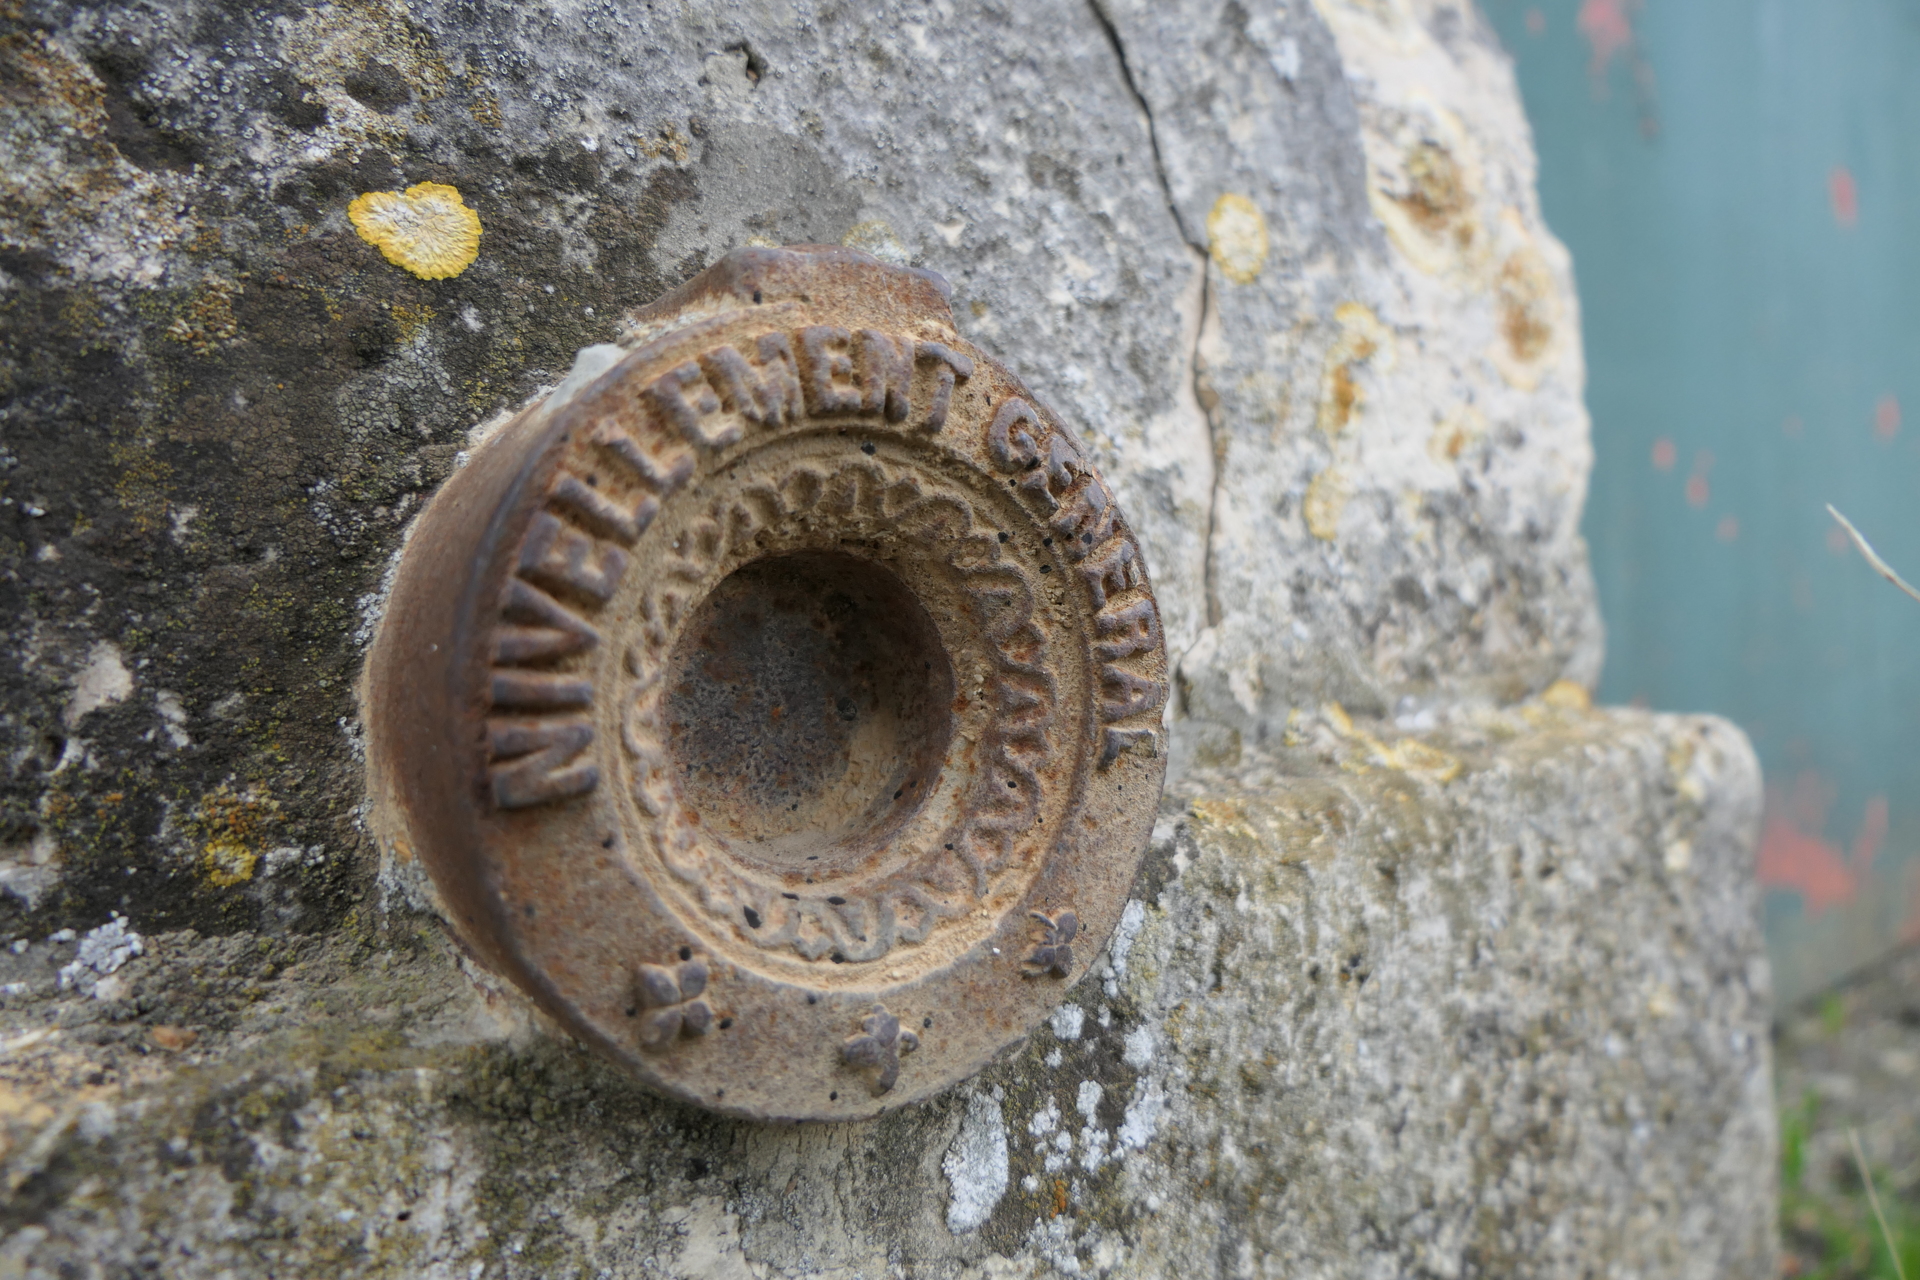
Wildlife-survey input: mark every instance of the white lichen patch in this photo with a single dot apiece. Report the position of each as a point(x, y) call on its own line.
point(65, 189)
point(1139, 1047)
point(1133, 917)
point(710, 1240)
point(104, 681)
point(1067, 1021)
point(331, 43)
point(976, 1165)
point(1143, 1117)
point(102, 951)
point(173, 718)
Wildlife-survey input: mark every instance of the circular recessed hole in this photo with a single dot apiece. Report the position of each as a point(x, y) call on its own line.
point(805, 692)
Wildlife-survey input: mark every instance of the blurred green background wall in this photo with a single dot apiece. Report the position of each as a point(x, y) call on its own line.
point(1739, 183)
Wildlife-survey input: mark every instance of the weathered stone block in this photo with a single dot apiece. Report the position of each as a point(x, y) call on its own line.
point(1484, 1002)
point(1474, 990)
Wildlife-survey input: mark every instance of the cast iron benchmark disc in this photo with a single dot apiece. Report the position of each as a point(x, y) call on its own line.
point(778, 702)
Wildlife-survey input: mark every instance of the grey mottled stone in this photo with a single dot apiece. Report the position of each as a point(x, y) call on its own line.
point(1468, 984)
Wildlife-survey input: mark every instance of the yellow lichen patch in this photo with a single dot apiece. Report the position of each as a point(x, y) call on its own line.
point(1410, 755)
point(426, 229)
point(485, 109)
point(140, 483)
point(1527, 304)
point(1226, 816)
point(1237, 238)
point(1327, 495)
point(410, 318)
point(231, 828)
point(1568, 696)
point(669, 143)
point(1682, 762)
point(1437, 197)
point(208, 320)
point(1361, 339)
point(228, 862)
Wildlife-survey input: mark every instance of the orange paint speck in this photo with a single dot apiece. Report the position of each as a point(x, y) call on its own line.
point(1536, 23)
point(1844, 195)
point(1608, 30)
point(1697, 492)
point(1795, 855)
point(1664, 454)
point(1886, 418)
point(1728, 530)
point(1837, 541)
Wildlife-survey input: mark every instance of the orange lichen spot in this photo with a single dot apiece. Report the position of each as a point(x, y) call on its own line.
point(1526, 293)
point(174, 1039)
point(232, 828)
point(426, 229)
point(1437, 198)
point(1345, 394)
point(1359, 339)
point(1454, 434)
point(1424, 186)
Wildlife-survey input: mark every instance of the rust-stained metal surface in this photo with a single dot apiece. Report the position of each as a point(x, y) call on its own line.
point(777, 708)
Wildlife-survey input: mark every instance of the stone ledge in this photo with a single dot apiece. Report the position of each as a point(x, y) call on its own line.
point(1488, 1001)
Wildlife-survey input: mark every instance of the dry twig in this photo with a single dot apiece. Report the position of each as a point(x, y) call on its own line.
point(1859, 1157)
point(1873, 558)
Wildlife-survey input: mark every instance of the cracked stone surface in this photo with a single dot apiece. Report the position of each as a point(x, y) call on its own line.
point(1428, 975)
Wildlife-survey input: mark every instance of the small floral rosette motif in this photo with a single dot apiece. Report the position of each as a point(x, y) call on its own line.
point(1054, 955)
point(671, 998)
point(880, 1045)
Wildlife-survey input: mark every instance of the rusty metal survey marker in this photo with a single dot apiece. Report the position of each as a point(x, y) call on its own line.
point(778, 702)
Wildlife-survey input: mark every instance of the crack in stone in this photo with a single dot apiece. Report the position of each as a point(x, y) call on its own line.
point(1208, 400)
point(1201, 392)
point(1153, 134)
